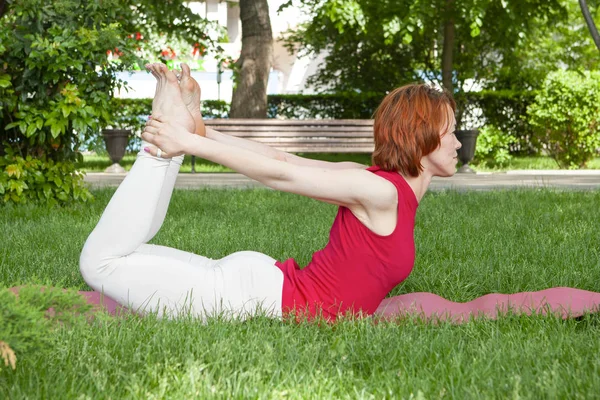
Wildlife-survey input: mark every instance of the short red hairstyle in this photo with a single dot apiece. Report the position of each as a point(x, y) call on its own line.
point(407, 127)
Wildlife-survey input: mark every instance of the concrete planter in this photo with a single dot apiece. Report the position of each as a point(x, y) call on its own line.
point(468, 139)
point(116, 141)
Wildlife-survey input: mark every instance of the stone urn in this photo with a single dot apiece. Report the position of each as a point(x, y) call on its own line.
point(116, 141)
point(468, 139)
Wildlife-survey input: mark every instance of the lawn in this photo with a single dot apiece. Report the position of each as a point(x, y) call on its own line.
point(98, 163)
point(468, 244)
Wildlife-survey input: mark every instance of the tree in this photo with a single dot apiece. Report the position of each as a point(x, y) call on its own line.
point(249, 98)
point(590, 22)
point(375, 45)
point(558, 43)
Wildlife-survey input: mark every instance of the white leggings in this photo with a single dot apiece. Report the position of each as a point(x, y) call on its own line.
point(117, 261)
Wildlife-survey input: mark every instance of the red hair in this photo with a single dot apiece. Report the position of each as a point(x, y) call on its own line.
point(407, 127)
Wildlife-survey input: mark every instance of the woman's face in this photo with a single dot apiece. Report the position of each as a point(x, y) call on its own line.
point(442, 161)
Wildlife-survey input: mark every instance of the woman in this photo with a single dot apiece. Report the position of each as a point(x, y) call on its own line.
point(370, 249)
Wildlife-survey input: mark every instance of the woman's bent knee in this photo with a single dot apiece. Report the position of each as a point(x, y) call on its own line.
point(91, 265)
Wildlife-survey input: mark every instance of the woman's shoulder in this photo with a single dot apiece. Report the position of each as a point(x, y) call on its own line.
point(402, 187)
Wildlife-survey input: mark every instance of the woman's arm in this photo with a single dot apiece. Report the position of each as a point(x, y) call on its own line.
point(347, 187)
point(276, 154)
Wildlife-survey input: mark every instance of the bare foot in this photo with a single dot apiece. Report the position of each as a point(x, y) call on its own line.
point(190, 94)
point(167, 99)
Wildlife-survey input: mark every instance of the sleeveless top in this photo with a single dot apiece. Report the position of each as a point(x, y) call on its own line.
point(357, 268)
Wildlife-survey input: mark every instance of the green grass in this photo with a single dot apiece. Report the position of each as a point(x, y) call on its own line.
point(468, 244)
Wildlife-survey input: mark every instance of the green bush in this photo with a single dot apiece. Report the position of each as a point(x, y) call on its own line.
point(506, 111)
point(566, 117)
point(27, 320)
point(59, 61)
point(40, 179)
point(493, 144)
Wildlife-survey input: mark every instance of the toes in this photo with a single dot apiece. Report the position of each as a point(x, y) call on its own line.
point(185, 71)
point(152, 69)
point(169, 75)
point(178, 74)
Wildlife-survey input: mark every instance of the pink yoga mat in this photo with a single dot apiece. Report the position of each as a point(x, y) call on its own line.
point(563, 301)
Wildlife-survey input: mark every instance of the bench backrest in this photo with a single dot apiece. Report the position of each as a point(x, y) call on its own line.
point(303, 136)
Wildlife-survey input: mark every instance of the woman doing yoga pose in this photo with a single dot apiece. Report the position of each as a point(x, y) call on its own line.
point(370, 249)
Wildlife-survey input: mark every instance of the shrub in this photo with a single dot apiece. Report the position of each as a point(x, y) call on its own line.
point(566, 116)
point(506, 111)
point(493, 144)
point(41, 179)
point(27, 319)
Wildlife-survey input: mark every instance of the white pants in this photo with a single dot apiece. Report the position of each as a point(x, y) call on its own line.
point(117, 261)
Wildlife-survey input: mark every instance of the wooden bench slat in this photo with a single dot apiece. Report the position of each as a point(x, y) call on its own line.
point(289, 122)
point(310, 141)
point(324, 149)
point(366, 130)
point(341, 135)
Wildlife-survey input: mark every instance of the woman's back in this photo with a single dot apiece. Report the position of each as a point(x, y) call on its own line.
point(357, 268)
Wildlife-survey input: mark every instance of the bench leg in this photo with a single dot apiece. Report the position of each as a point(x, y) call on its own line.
point(193, 164)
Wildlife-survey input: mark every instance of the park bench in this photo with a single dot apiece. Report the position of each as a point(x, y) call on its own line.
point(301, 136)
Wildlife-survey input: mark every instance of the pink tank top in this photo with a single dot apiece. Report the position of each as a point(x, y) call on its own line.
point(357, 268)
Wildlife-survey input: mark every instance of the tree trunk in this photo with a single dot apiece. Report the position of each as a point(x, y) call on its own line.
point(448, 47)
point(590, 22)
point(250, 94)
point(2, 7)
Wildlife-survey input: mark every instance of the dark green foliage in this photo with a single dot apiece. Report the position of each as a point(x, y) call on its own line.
point(379, 45)
point(347, 105)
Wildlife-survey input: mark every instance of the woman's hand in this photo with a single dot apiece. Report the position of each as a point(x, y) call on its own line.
point(170, 137)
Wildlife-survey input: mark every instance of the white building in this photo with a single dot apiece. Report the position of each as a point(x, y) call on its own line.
point(288, 75)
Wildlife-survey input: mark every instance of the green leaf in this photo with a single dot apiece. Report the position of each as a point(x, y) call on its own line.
point(31, 130)
point(11, 125)
point(47, 189)
point(55, 130)
point(13, 170)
